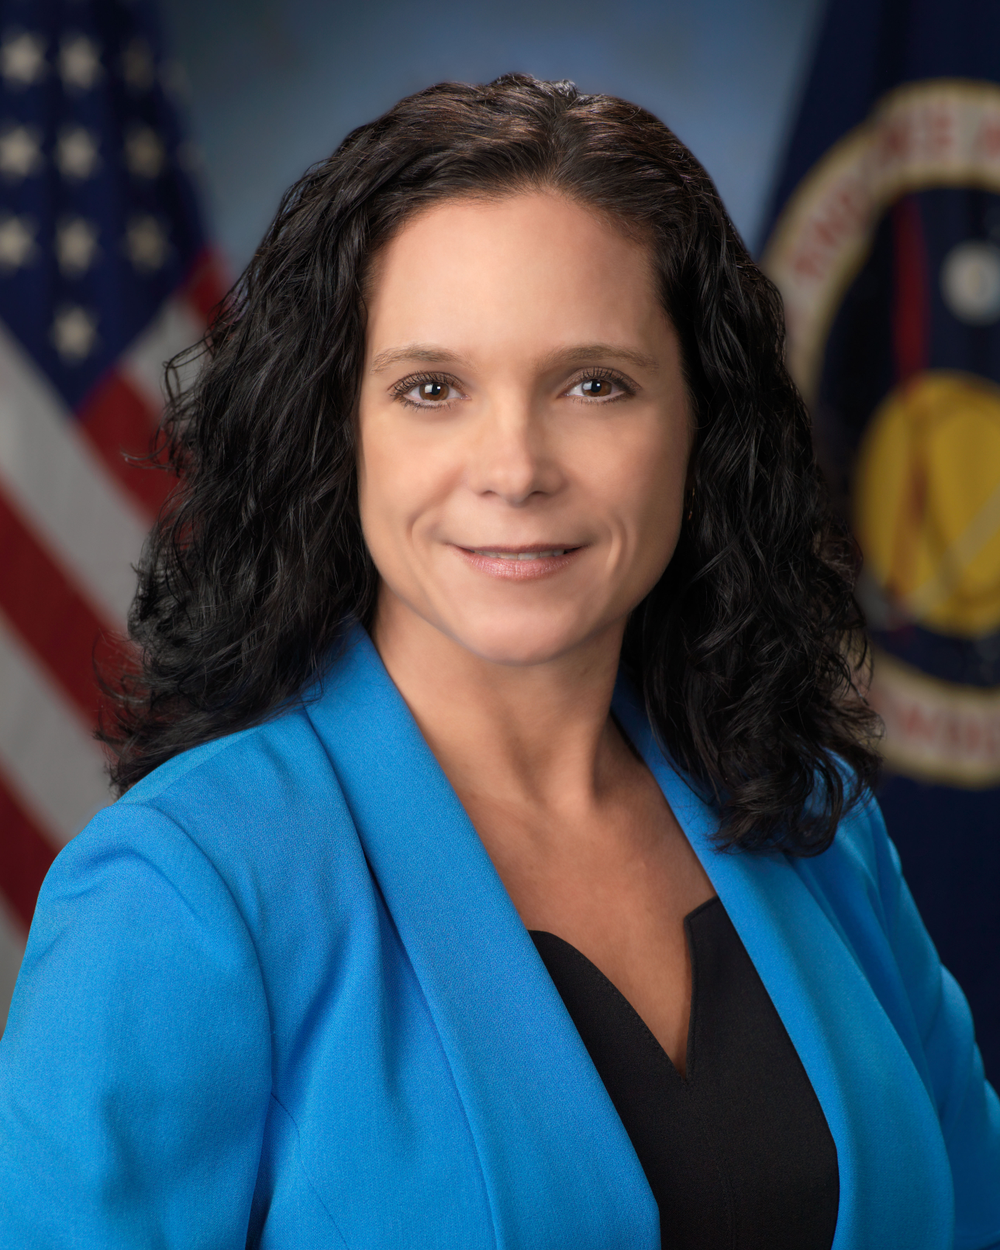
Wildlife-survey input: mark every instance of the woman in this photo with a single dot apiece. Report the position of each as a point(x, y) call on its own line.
point(498, 599)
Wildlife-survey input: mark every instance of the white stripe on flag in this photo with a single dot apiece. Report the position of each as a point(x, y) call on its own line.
point(175, 328)
point(63, 489)
point(11, 950)
point(51, 762)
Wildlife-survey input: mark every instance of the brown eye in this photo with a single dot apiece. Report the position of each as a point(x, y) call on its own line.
point(426, 392)
point(433, 390)
point(596, 388)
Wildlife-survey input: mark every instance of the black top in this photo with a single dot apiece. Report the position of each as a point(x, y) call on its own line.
point(738, 1154)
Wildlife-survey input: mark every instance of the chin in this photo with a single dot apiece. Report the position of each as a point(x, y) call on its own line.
point(517, 642)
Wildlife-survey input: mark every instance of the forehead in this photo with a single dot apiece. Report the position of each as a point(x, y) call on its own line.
point(535, 260)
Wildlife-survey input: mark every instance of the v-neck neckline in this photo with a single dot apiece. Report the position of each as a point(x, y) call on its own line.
point(602, 977)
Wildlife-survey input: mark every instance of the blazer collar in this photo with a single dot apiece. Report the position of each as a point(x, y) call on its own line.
point(557, 1163)
point(535, 1104)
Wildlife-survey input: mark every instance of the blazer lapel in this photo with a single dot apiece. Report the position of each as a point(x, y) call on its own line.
point(891, 1159)
point(558, 1165)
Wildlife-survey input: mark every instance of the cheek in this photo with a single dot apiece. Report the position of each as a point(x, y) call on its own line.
point(377, 487)
point(648, 484)
point(399, 483)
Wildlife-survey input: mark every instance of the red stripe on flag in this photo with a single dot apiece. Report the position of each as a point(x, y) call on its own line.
point(50, 613)
point(25, 855)
point(206, 285)
point(119, 424)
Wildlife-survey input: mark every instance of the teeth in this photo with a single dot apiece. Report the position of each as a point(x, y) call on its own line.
point(522, 555)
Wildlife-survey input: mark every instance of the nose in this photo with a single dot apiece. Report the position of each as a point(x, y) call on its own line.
point(511, 456)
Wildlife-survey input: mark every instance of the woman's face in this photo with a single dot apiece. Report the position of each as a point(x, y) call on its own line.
point(524, 427)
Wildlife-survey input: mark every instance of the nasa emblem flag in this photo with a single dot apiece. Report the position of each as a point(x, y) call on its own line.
point(885, 244)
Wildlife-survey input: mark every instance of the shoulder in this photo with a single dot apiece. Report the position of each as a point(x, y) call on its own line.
point(247, 819)
point(858, 883)
point(859, 872)
point(265, 767)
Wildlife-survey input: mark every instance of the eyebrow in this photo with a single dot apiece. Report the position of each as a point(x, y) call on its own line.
point(599, 351)
point(428, 354)
point(414, 351)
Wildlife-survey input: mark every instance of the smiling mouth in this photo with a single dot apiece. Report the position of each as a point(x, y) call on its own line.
point(500, 553)
point(521, 564)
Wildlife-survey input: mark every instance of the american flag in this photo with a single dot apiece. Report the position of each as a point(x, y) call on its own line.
point(104, 274)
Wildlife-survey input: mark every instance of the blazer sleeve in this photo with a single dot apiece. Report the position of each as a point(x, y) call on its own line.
point(967, 1106)
point(135, 1067)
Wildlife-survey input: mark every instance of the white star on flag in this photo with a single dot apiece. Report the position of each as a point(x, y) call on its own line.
point(79, 62)
point(137, 65)
point(146, 243)
point(20, 154)
point(74, 332)
point(17, 242)
point(144, 153)
point(76, 153)
point(22, 59)
point(76, 246)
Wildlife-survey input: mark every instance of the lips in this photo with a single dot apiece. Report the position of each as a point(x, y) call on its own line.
point(520, 564)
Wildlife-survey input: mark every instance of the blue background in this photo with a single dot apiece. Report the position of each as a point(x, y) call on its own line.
point(276, 85)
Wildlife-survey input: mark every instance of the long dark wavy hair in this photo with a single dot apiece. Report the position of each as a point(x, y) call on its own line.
point(746, 650)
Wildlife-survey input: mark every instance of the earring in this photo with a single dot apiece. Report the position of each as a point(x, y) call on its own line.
point(690, 511)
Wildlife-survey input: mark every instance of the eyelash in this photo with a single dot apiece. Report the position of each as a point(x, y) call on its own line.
point(602, 375)
point(399, 391)
point(421, 379)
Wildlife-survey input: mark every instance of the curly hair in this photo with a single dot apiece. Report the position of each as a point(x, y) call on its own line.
point(747, 650)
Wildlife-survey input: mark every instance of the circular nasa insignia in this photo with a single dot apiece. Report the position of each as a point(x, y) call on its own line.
point(893, 324)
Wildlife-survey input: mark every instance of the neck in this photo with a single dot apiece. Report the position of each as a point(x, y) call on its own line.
point(536, 736)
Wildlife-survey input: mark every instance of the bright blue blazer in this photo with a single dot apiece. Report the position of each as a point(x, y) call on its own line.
point(278, 996)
